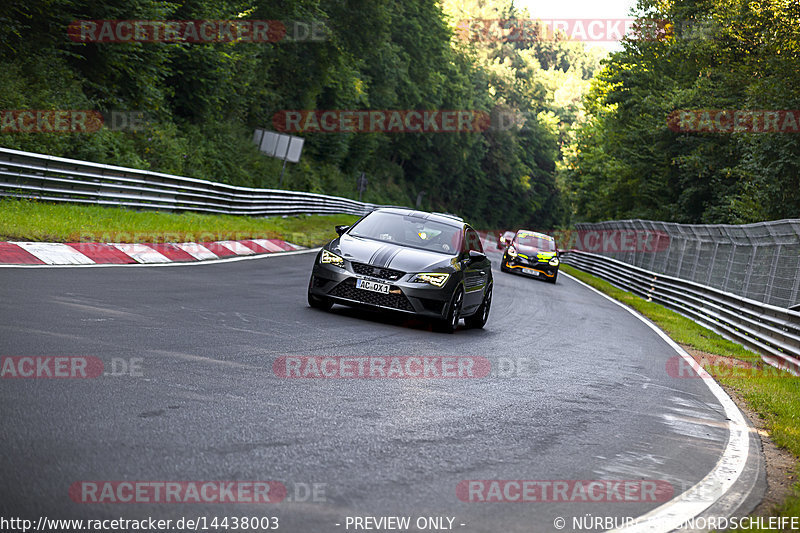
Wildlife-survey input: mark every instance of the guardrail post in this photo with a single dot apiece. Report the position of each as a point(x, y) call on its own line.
point(712, 263)
point(729, 267)
point(698, 249)
point(749, 272)
point(772, 272)
point(655, 246)
point(680, 259)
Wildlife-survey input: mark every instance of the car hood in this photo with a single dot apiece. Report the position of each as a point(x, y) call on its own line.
point(388, 255)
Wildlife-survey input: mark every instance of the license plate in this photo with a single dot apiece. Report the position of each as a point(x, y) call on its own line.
point(372, 286)
point(531, 271)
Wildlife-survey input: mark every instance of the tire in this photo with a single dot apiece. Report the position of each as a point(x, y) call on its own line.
point(503, 267)
point(478, 320)
point(317, 302)
point(554, 278)
point(450, 323)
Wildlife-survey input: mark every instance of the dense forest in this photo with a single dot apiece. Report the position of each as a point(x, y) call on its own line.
point(626, 161)
point(573, 133)
point(202, 101)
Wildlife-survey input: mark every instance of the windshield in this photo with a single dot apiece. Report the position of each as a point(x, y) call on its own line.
point(409, 231)
point(543, 244)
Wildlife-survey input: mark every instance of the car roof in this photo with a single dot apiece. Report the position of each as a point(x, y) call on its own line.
point(450, 215)
point(529, 233)
point(451, 220)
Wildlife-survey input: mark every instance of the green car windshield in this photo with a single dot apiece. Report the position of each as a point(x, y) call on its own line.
point(409, 231)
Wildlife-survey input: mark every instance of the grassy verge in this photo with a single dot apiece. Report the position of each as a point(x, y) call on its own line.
point(24, 220)
point(774, 395)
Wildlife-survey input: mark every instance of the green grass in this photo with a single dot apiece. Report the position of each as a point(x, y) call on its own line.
point(773, 394)
point(778, 403)
point(24, 220)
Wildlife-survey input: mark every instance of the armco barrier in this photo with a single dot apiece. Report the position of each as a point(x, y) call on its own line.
point(759, 261)
point(772, 331)
point(43, 177)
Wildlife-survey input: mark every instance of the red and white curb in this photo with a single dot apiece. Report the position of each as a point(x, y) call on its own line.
point(96, 253)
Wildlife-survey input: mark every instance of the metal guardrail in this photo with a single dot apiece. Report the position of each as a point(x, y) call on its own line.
point(44, 177)
point(759, 261)
point(773, 332)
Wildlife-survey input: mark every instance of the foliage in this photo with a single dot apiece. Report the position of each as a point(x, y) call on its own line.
point(204, 100)
point(624, 161)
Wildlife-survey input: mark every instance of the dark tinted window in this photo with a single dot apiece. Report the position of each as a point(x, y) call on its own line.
point(473, 241)
point(409, 231)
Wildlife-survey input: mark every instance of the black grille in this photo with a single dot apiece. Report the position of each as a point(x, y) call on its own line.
point(534, 261)
point(377, 272)
point(347, 289)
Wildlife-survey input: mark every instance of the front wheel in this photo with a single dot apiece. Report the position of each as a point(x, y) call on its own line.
point(450, 323)
point(478, 320)
point(317, 302)
point(554, 278)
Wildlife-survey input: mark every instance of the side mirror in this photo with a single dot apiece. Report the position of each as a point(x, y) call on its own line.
point(475, 255)
point(341, 229)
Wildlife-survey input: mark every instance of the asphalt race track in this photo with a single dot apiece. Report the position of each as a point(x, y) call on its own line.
point(579, 391)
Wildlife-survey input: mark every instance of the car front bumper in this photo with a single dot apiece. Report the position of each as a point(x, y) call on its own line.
point(339, 284)
point(518, 265)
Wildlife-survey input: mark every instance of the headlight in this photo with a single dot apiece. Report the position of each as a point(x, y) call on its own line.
point(554, 262)
point(512, 252)
point(329, 258)
point(437, 279)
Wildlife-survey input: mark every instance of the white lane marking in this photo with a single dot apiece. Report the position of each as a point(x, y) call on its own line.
point(198, 251)
point(269, 245)
point(141, 253)
point(721, 478)
point(231, 259)
point(236, 247)
point(54, 253)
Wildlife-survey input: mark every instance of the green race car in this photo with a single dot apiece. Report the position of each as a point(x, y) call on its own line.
point(532, 254)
